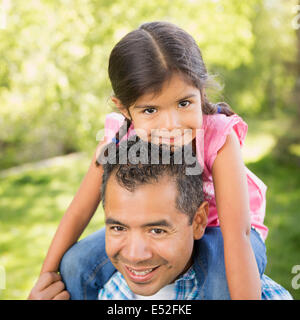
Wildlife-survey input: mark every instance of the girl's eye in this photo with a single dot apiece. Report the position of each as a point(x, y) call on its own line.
point(150, 111)
point(157, 231)
point(184, 103)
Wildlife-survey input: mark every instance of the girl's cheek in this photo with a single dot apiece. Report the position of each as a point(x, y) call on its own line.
point(143, 133)
point(142, 127)
point(198, 122)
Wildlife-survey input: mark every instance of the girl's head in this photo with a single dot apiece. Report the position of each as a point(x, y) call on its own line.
point(159, 78)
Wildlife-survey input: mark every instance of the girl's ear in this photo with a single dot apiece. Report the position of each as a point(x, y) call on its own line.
point(200, 221)
point(121, 107)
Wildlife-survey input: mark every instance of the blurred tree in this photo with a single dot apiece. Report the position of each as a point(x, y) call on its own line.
point(287, 148)
point(54, 88)
point(297, 65)
point(263, 87)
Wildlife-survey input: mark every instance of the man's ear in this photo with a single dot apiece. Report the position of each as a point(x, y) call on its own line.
point(121, 107)
point(200, 221)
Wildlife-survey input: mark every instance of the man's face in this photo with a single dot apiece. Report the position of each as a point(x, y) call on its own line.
point(147, 239)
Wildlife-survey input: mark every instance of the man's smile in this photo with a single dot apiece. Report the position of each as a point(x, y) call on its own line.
point(141, 275)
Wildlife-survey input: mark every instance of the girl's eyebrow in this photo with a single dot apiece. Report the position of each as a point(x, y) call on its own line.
point(143, 106)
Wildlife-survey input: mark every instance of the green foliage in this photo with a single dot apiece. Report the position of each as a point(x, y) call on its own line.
point(54, 88)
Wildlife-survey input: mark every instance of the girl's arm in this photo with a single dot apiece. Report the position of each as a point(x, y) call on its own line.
point(77, 216)
point(232, 199)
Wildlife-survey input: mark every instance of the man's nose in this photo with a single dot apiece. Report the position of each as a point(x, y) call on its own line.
point(137, 249)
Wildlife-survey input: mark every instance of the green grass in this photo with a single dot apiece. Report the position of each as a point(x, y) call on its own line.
point(33, 202)
point(282, 219)
point(31, 206)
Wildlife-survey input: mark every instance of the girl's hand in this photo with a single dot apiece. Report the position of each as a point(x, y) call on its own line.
point(49, 287)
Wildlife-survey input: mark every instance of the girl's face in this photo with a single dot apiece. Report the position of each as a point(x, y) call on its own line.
point(171, 116)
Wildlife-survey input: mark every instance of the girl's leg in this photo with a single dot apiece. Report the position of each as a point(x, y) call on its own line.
point(259, 249)
point(210, 257)
point(85, 267)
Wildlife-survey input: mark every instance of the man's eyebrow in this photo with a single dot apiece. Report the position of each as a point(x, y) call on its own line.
point(143, 106)
point(113, 221)
point(159, 223)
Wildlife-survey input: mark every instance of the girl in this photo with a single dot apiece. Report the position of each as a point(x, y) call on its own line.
point(159, 81)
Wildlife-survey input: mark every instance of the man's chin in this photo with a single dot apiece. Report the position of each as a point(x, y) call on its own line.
point(143, 289)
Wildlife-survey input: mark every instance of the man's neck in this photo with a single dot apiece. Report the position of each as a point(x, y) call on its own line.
point(187, 267)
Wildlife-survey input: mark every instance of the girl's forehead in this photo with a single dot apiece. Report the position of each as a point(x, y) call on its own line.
point(176, 86)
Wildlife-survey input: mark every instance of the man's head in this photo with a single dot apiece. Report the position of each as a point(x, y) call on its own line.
point(153, 214)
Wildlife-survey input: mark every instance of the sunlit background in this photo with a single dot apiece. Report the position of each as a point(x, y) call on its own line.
point(54, 95)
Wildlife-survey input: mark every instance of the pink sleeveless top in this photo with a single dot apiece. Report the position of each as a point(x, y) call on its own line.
point(215, 130)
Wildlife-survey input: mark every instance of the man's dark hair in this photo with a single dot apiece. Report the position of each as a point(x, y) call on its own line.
point(151, 168)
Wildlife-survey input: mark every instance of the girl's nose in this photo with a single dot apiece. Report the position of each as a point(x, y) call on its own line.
point(170, 120)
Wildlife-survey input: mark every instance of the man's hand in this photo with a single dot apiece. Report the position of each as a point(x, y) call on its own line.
point(49, 287)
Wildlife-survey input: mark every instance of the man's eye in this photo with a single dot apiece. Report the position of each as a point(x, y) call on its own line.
point(149, 110)
point(157, 231)
point(184, 103)
point(117, 228)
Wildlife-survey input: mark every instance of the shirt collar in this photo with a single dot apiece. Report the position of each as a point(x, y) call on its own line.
point(185, 288)
point(188, 275)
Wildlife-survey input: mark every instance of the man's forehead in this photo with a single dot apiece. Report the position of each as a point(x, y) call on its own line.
point(147, 204)
point(165, 185)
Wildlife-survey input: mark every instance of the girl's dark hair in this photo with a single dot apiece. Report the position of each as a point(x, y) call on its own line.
point(148, 56)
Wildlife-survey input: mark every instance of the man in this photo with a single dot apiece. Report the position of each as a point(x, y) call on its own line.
point(155, 217)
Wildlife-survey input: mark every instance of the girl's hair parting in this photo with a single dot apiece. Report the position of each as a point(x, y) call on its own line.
point(147, 57)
